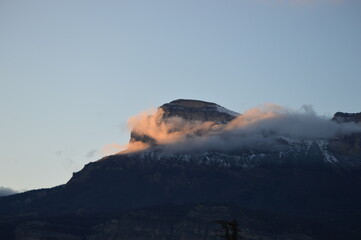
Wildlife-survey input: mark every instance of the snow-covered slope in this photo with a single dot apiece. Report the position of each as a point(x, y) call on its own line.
point(293, 153)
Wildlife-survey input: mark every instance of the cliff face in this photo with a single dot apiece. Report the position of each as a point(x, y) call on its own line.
point(188, 110)
point(347, 144)
point(347, 117)
point(193, 110)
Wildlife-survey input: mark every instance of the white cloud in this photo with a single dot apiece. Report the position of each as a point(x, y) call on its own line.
point(4, 191)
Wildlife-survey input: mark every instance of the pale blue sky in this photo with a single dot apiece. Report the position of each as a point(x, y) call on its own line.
point(73, 72)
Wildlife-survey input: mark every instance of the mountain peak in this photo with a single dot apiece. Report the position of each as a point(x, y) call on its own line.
point(196, 110)
point(187, 110)
point(347, 117)
point(192, 103)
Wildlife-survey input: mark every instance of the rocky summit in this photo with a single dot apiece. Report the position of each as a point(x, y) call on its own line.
point(194, 110)
point(347, 117)
point(189, 110)
point(280, 188)
point(349, 144)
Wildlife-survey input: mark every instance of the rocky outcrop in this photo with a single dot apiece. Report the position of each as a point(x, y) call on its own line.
point(346, 144)
point(188, 110)
point(194, 110)
point(347, 117)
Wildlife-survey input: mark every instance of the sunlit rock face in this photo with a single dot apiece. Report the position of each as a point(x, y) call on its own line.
point(188, 110)
point(194, 110)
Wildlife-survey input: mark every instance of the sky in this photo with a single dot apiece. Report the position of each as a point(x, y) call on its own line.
point(73, 72)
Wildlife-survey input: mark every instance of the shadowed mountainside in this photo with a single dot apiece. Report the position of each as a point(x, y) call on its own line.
point(306, 190)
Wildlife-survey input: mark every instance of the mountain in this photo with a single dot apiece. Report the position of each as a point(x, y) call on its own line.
point(276, 185)
point(347, 117)
point(189, 110)
point(349, 144)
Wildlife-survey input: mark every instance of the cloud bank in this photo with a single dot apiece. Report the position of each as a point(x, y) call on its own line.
point(259, 127)
point(4, 191)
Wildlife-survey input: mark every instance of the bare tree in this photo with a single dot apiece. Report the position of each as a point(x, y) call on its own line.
point(230, 230)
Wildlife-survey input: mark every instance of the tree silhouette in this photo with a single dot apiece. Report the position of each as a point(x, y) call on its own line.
point(230, 230)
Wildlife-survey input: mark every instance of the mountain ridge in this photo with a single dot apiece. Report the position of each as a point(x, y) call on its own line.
point(310, 181)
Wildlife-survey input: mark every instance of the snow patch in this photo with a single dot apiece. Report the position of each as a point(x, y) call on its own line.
point(229, 112)
point(322, 144)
